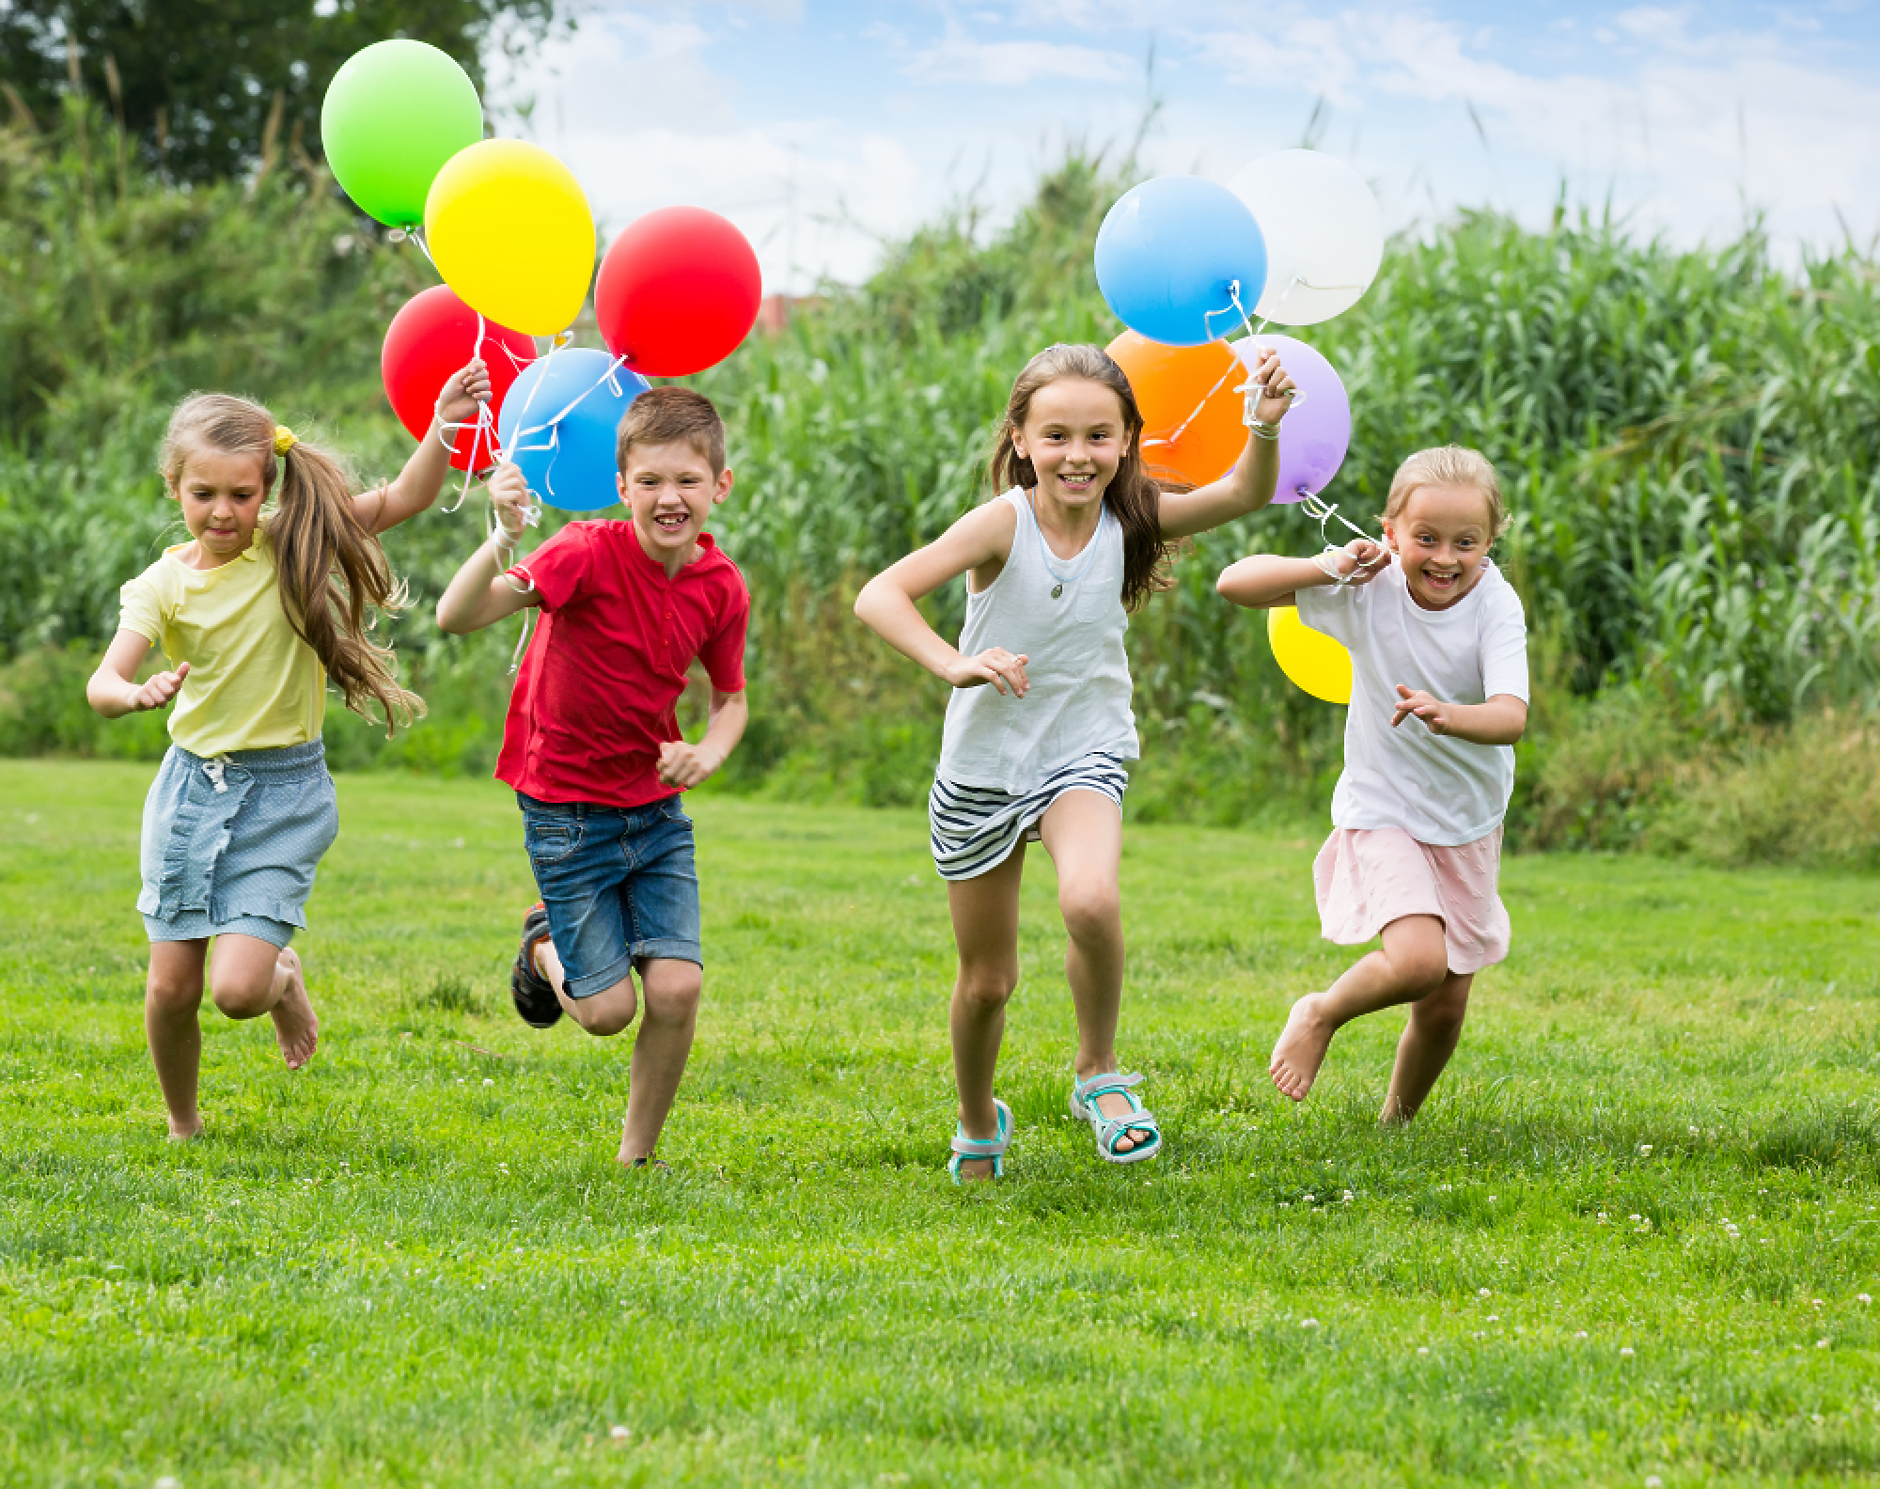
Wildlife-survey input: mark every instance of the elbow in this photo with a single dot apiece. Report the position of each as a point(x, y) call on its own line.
point(447, 620)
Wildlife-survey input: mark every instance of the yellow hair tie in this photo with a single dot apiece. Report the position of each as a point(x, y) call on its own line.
point(283, 439)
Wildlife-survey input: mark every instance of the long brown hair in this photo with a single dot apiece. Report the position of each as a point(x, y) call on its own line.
point(333, 576)
point(1132, 494)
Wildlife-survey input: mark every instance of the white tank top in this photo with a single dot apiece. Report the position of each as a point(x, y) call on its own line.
point(1067, 616)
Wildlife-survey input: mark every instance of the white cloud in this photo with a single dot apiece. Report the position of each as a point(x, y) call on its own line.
point(1008, 64)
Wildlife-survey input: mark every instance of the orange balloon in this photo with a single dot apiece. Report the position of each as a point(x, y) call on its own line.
point(1192, 430)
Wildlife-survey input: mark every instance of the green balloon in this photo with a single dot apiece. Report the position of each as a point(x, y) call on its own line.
point(392, 116)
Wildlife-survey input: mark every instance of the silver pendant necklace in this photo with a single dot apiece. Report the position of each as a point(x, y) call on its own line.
point(1044, 551)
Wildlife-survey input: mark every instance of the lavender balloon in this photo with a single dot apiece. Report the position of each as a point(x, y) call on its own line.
point(1317, 432)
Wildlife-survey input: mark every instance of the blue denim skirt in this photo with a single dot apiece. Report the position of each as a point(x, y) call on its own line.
point(231, 844)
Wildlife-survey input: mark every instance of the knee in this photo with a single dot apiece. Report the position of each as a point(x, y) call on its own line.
point(239, 999)
point(1091, 912)
point(602, 1021)
point(1422, 965)
point(606, 1012)
point(1440, 1015)
point(986, 988)
point(172, 994)
point(672, 993)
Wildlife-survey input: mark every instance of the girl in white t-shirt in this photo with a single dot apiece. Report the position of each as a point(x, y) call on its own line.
point(1438, 698)
point(1039, 728)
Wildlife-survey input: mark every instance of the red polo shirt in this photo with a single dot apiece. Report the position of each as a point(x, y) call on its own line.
point(596, 694)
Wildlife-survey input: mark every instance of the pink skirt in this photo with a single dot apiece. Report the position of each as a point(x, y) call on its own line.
point(1367, 877)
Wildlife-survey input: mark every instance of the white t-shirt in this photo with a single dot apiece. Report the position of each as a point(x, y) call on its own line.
point(1441, 790)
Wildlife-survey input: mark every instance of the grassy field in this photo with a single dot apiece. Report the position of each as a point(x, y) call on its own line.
point(1630, 1240)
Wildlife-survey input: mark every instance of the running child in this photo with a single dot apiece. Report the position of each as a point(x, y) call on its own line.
point(592, 744)
point(1439, 696)
point(257, 612)
point(1039, 730)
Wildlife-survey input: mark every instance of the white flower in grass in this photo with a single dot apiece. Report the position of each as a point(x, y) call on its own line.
point(1494, 1318)
point(1652, 1481)
point(1423, 1349)
point(1580, 1334)
point(1308, 1323)
point(1625, 1352)
point(1821, 1344)
point(1645, 1150)
point(619, 1433)
point(487, 1081)
point(1815, 1302)
point(1481, 1292)
point(1862, 1298)
point(168, 1481)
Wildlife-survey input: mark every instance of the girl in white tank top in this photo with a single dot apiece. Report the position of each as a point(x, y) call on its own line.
point(1039, 727)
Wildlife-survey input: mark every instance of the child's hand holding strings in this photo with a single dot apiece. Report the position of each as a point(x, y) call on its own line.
point(159, 690)
point(509, 499)
point(1269, 389)
point(997, 666)
point(463, 393)
point(1363, 559)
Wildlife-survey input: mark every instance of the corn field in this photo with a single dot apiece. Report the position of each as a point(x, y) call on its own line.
point(1689, 440)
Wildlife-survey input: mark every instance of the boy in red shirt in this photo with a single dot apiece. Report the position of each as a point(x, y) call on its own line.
point(592, 743)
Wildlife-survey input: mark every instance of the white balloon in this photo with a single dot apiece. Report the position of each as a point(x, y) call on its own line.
point(1324, 234)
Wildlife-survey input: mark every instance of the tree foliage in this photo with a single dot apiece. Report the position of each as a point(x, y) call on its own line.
point(203, 87)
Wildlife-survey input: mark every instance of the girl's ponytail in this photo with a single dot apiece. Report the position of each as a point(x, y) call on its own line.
point(335, 583)
point(334, 580)
point(1133, 495)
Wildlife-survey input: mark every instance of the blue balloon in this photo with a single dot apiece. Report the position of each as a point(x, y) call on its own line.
point(1170, 251)
point(567, 452)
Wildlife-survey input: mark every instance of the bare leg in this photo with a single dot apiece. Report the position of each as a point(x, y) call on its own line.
point(172, 994)
point(664, 1044)
point(1083, 833)
point(1429, 1039)
point(1411, 963)
point(660, 1051)
point(606, 1012)
point(249, 977)
point(985, 931)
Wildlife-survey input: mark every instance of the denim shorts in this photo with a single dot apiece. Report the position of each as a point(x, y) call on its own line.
point(231, 844)
point(618, 884)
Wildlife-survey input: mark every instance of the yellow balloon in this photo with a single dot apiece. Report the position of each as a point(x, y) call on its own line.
point(1310, 658)
point(512, 234)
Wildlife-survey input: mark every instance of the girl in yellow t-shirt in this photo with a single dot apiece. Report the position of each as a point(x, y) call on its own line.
point(256, 613)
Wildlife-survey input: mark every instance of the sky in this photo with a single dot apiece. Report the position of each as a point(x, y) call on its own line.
point(825, 129)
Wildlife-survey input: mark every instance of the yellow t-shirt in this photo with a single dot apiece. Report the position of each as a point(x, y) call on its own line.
point(253, 684)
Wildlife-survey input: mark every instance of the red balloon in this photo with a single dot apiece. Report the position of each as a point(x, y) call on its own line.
point(430, 338)
point(677, 292)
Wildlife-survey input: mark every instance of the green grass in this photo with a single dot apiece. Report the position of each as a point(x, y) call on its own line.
point(414, 1263)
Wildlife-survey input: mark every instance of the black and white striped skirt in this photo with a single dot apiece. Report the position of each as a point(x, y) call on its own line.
point(975, 828)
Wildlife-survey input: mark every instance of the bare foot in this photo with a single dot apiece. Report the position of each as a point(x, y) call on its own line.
point(183, 1132)
point(1301, 1048)
point(296, 1030)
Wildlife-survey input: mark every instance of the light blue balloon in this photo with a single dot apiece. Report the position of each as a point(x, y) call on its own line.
point(1170, 251)
point(566, 452)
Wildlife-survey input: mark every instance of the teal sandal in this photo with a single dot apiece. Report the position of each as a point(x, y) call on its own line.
point(1138, 1123)
point(965, 1147)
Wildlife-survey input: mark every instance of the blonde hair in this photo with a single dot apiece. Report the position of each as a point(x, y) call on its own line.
point(333, 577)
point(1132, 495)
point(1449, 465)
